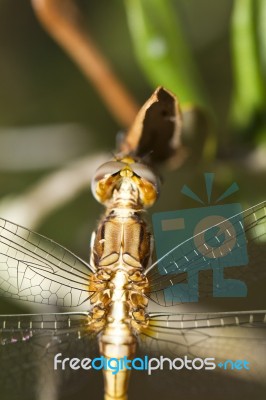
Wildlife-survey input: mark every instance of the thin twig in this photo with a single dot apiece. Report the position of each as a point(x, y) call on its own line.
point(63, 21)
point(51, 192)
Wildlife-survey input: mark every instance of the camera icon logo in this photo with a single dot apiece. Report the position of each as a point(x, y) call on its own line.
point(204, 238)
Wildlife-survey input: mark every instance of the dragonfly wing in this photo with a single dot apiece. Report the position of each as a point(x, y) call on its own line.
point(182, 264)
point(26, 327)
point(223, 336)
point(231, 335)
point(28, 346)
point(37, 269)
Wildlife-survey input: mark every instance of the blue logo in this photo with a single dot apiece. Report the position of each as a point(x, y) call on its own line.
point(237, 365)
point(212, 238)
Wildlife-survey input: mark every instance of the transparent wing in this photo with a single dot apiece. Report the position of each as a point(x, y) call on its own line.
point(180, 267)
point(37, 269)
point(28, 345)
point(25, 327)
point(223, 335)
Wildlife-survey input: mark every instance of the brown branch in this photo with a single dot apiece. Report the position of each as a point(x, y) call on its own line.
point(63, 21)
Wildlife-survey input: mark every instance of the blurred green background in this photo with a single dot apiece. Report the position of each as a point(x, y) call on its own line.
point(211, 54)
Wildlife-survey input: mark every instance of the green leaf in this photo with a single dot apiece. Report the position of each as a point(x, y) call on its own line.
point(249, 89)
point(262, 36)
point(161, 49)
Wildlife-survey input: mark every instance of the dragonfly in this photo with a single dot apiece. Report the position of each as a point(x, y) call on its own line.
point(118, 299)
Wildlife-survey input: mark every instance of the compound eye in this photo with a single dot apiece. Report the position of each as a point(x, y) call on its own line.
point(146, 172)
point(107, 169)
point(102, 179)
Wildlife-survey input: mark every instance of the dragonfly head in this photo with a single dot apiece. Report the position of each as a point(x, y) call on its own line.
point(125, 180)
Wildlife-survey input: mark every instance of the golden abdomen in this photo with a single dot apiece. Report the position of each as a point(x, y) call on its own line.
point(121, 251)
